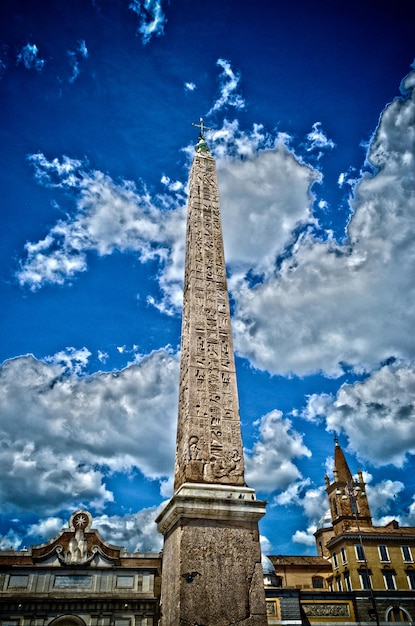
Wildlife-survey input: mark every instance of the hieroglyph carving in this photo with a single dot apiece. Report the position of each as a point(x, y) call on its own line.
point(209, 444)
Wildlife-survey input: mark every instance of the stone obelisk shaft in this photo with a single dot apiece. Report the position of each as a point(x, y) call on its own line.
point(209, 444)
point(212, 574)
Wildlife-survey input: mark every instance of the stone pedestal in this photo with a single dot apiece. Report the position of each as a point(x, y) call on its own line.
point(212, 574)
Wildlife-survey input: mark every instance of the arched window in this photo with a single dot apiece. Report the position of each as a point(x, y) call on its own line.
point(397, 614)
point(67, 620)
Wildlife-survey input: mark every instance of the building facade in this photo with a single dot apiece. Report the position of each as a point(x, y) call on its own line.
point(363, 556)
point(78, 579)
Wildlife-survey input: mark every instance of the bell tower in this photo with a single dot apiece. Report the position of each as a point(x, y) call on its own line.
point(212, 574)
point(349, 505)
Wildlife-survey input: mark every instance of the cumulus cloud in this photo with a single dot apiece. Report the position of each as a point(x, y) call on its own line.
point(29, 57)
point(136, 532)
point(268, 189)
point(305, 537)
point(12, 540)
point(152, 18)
point(269, 465)
point(311, 500)
point(189, 86)
point(71, 361)
point(381, 498)
point(344, 304)
point(62, 433)
point(228, 86)
point(303, 301)
point(383, 403)
point(107, 217)
point(265, 196)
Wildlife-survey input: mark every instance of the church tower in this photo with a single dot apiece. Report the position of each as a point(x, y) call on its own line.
point(349, 506)
point(212, 574)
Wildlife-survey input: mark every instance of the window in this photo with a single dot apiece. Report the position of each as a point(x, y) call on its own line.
point(318, 582)
point(365, 581)
point(407, 554)
point(125, 582)
point(18, 580)
point(411, 579)
point(343, 555)
point(347, 582)
point(383, 553)
point(335, 561)
point(335, 512)
point(389, 578)
point(360, 552)
point(397, 614)
point(339, 584)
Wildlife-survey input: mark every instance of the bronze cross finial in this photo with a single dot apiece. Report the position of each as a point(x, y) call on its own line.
point(202, 127)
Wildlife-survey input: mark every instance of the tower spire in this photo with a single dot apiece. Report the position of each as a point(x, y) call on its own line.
point(347, 497)
point(342, 472)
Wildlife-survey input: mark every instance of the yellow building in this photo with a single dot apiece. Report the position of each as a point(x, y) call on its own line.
point(364, 573)
point(363, 556)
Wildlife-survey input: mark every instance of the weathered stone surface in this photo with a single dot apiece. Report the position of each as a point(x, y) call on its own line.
point(209, 444)
point(217, 580)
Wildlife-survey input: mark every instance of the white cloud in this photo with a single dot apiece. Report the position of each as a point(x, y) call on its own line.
point(268, 189)
point(82, 49)
point(381, 498)
point(266, 545)
point(102, 356)
point(325, 305)
point(74, 57)
point(152, 18)
point(313, 502)
point(136, 532)
point(12, 540)
point(108, 217)
point(189, 86)
point(305, 537)
point(71, 361)
point(264, 197)
point(330, 305)
point(47, 527)
point(318, 140)
point(228, 85)
point(61, 433)
point(292, 494)
point(28, 56)
point(383, 403)
point(269, 464)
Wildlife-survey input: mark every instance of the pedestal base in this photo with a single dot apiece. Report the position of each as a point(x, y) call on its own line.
point(212, 574)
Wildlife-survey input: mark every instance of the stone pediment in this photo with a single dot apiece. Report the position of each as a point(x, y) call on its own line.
point(77, 546)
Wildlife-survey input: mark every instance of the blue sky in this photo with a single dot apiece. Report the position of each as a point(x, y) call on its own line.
point(312, 110)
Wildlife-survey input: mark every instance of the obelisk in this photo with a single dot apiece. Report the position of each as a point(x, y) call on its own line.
point(212, 574)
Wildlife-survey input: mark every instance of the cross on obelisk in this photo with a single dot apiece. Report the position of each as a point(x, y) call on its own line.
point(202, 128)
